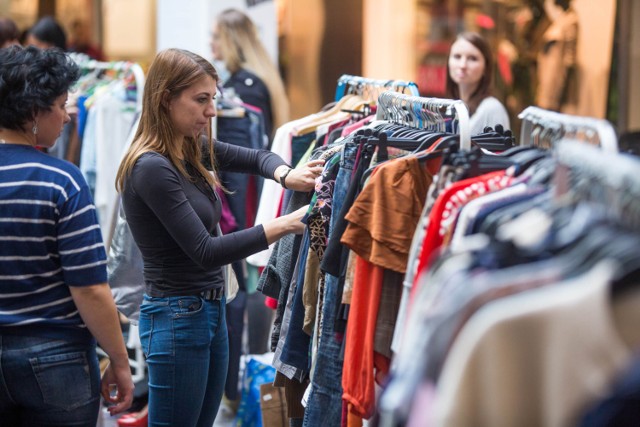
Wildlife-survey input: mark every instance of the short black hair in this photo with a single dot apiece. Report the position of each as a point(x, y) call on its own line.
point(48, 30)
point(30, 81)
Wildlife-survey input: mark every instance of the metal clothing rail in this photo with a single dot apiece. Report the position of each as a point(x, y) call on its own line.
point(607, 178)
point(421, 112)
point(355, 84)
point(85, 62)
point(555, 126)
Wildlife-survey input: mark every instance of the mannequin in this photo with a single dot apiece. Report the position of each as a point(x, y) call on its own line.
point(557, 57)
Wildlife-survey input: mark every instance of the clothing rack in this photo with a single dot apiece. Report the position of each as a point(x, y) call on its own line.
point(86, 63)
point(355, 84)
point(420, 112)
point(606, 178)
point(538, 123)
point(137, 362)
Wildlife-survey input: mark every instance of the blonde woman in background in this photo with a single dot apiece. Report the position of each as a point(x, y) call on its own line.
point(253, 75)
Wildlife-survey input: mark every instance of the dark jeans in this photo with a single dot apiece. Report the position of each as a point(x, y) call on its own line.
point(324, 406)
point(184, 340)
point(46, 382)
point(295, 351)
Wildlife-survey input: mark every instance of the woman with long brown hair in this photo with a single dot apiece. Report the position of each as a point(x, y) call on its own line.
point(167, 180)
point(469, 78)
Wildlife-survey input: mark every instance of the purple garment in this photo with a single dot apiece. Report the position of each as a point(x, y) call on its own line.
point(227, 220)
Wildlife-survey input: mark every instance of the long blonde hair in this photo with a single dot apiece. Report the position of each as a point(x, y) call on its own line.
point(241, 48)
point(172, 71)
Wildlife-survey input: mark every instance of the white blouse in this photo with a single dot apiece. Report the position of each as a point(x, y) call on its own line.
point(490, 112)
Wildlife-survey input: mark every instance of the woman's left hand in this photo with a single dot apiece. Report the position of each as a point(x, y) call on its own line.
point(302, 178)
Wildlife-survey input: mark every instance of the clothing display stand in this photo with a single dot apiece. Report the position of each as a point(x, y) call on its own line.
point(539, 125)
point(348, 84)
point(425, 113)
point(86, 63)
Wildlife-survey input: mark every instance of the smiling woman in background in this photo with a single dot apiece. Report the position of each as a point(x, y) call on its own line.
point(469, 78)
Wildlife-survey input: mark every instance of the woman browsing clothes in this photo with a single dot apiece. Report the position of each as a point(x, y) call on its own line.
point(172, 210)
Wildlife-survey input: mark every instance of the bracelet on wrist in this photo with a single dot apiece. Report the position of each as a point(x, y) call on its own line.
point(283, 177)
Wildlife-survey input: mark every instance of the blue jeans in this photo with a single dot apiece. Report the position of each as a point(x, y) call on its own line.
point(324, 407)
point(47, 382)
point(185, 343)
point(295, 350)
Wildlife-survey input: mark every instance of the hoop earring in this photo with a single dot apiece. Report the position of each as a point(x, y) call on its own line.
point(34, 129)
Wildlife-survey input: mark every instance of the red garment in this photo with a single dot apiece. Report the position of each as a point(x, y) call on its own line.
point(251, 202)
point(358, 378)
point(444, 213)
point(272, 303)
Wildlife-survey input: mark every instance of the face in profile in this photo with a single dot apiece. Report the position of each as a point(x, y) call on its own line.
point(215, 43)
point(191, 111)
point(51, 122)
point(466, 64)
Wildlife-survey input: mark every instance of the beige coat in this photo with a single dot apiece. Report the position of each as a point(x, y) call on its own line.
point(555, 60)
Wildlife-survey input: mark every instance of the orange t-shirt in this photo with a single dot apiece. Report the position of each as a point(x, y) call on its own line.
point(385, 214)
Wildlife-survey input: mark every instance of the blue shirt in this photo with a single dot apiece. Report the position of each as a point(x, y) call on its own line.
point(49, 240)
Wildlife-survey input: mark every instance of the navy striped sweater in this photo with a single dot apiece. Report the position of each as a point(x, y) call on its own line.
point(49, 240)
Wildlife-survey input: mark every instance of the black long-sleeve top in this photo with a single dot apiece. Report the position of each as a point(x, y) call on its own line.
point(252, 90)
point(173, 220)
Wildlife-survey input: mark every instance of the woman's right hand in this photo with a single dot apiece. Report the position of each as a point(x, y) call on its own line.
point(286, 224)
point(295, 219)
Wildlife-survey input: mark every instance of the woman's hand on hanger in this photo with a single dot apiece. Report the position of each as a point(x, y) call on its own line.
point(302, 178)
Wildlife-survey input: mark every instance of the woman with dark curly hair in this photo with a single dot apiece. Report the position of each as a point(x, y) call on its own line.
point(54, 298)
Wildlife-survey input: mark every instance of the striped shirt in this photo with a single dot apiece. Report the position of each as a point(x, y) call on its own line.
point(49, 240)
